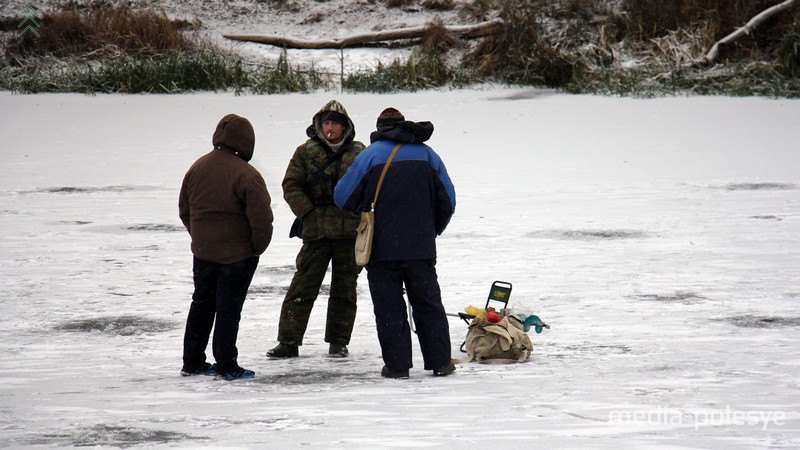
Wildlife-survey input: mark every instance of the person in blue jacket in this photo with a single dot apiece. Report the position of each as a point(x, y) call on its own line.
point(415, 204)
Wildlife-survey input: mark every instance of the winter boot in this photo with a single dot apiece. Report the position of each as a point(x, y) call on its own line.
point(284, 350)
point(203, 369)
point(445, 371)
point(338, 351)
point(387, 372)
point(237, 374)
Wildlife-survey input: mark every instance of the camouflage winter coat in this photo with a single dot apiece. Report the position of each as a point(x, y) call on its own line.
point(309, 193)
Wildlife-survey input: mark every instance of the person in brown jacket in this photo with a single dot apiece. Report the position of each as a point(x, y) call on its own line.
point(226, 208)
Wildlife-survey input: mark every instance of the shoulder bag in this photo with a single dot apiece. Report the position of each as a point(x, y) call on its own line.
point(366, 228)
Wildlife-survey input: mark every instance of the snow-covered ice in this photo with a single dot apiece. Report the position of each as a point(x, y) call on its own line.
point(659, 238)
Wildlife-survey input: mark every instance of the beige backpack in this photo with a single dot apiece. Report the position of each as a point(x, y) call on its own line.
point(498, 343)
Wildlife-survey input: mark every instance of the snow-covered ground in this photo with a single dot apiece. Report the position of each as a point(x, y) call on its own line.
point(299, 19)
point(659, 238)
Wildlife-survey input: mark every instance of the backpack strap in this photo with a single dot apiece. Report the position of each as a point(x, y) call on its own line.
point(331, 159)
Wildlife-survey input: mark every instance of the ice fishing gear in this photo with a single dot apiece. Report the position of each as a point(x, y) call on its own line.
point(503, 342)
point(493, 329)
point(500, 292)
point(532, 321)
point(496, 332)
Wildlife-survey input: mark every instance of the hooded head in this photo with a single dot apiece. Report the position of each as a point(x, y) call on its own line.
point(236, 134)
point(392, 125)
point(333, 110)
point(389, 118)
point(334, 116)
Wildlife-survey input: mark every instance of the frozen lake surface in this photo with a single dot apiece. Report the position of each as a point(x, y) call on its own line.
point(659, 238)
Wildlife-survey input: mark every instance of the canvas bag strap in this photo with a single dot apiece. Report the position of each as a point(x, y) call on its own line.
point(383, 174)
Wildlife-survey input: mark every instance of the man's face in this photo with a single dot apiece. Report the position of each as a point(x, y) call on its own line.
point(333, 131)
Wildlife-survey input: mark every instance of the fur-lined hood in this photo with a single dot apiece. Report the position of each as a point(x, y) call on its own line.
point(314, 131)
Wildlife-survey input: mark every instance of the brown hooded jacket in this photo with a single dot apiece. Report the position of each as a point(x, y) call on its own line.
point(224, 202)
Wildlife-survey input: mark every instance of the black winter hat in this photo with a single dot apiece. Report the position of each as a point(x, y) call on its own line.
point(334, 116)
point(389, 118)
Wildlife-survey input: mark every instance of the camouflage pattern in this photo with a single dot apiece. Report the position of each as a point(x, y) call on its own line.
point(322, 219)
point(328, 234)
point(312, 263)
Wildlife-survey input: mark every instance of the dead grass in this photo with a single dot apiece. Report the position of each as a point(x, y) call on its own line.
point(478, 9)
point(397, 3)
point(654, 18)
point(790, 52)
point(439, 5)
point(518, 53)
point(578, 45)
point(437, 37)
point(93, 33)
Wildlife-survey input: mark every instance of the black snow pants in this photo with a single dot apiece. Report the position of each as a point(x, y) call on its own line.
point(219, 293)
point(386, 280)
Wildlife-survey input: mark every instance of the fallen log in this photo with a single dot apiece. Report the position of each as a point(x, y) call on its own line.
point(713, 54)
point(463, 31)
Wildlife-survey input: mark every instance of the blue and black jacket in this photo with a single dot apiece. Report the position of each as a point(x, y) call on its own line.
point(417, 198)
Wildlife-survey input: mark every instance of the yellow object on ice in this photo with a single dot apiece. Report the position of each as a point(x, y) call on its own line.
point(475, 311)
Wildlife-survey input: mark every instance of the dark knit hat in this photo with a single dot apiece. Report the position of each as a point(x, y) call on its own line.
point(335, 117)
point(389, 118)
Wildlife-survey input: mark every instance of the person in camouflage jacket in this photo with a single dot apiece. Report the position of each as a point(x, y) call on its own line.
point(328, 233)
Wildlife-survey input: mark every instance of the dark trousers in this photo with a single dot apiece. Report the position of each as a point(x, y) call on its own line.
point(219, 293)
point(386, 280)
point(312, 264)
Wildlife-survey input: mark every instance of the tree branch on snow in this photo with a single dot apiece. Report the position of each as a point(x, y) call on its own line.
point(464, 31)
point(713, 54)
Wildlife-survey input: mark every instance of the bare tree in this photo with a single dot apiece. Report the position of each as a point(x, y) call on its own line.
point(713, 54)
point(464, 31)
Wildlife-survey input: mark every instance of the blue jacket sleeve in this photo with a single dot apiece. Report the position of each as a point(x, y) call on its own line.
point(445, 195)
point(349, 190)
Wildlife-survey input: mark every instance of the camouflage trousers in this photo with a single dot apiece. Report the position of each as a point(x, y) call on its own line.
point(312, 265)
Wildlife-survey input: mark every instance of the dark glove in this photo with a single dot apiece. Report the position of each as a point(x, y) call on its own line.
point(297, 228)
